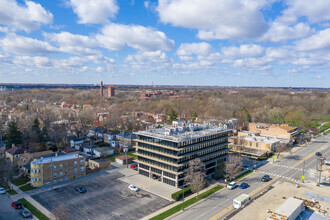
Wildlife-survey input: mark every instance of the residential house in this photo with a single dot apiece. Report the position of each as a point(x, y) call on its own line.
point(99, 163)
point(70, 151)
point(122, 159)
point(103, 151)
point(89, 149)
point(26, 158)
point(126, 139)
point(51, 170)
point(92, 132)
point(14, 153)
point(110, 138)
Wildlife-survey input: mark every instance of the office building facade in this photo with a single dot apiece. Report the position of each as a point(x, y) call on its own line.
point(164, 153)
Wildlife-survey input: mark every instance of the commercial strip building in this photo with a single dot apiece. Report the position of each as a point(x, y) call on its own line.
point(279, 131)
point(50, 170)
point(251, 144)
point(164, 153)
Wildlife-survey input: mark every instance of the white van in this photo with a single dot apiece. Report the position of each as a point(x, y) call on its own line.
point(241, 200)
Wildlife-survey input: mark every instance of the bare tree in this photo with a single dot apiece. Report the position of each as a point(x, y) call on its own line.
point(7, 171)
point(234, 165)
point(195, 175)
point(61, 212)
point(280, 148)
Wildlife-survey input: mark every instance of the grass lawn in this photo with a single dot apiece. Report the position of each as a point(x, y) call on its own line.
point(33, 210)
point(112, 158)
point(187, 203)
point(11, 192)
point(20, 181)
point(26, 188)
point(324, 127)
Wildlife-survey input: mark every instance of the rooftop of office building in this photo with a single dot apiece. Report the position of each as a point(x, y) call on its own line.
point(182, 131)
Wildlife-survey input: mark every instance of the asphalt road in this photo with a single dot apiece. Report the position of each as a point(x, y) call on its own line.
point(7, 212)
point(219, 205)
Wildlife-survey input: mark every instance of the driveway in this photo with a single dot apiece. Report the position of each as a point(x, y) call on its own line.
point(106, 198)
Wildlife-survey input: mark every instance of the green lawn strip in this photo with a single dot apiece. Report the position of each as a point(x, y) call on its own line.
point(242, 175)
point(33, 209)
point(112, 158)
point(11, 192)
point(20, 181)
point(187, 203)
point(324, 127)
point(25, 188)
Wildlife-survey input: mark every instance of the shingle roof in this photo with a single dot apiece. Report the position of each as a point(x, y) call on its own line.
point(15, 150)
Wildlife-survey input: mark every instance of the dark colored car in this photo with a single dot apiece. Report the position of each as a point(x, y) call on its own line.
point(80, 189)
point(318, 154)
point(265, 178)
point(25, 213)
point(17, 205)
point(244, 186)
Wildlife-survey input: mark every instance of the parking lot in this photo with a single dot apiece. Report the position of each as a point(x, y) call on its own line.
point(106, 198)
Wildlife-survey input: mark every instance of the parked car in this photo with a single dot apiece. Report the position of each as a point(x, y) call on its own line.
point(2, 190)
point(133, 188)
point(327, 162)
point(265, 178)
point(134, 165)
point(80, 189)
point(25, 213)
point(17, 205)
point(232, 185)
point(244, 186)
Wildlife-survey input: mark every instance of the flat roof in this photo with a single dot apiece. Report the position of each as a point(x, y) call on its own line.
point(289, 207)
point(182, 133)
point(263, 139)
point(55, 159)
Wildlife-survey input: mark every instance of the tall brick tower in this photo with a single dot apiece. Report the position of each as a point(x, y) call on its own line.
point(101, 90)
point(111, 91)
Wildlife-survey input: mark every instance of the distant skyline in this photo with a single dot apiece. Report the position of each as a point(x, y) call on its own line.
point(259, 43)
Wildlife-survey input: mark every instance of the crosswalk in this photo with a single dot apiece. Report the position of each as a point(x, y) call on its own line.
point(293, 168)
point(281, 176)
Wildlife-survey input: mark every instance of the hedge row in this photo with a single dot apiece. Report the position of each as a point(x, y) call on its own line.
point(177, 196)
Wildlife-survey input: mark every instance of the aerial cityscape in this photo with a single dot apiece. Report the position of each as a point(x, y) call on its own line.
point(164, 109)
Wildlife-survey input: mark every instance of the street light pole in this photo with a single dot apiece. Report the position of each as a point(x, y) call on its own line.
point(183, 198)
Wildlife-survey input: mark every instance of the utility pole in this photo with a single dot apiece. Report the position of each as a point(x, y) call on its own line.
point(125, 150)
point(51, 172)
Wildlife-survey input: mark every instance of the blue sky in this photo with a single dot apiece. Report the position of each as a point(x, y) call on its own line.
point(181, 42)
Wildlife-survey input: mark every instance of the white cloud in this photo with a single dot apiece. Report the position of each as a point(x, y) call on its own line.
point(216, 19)
point(148, 57)
point(315, 11)
point(321, 40)
point(25, 45)
point(36, 61)
point(94, 11)
point(116, 36)
point(25, 17)
point(185, 51)
point(73, 43)
point(244, 50)
point(99, 69)
point(279, 32)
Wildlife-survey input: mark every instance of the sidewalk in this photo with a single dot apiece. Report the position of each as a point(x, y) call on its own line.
point(20, 194)
point(180, 202)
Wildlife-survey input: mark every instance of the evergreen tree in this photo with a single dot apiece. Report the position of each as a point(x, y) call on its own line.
point(173, 115)
point(14, 135)
point(194, 116)
point(35, 126)
point(43, 136)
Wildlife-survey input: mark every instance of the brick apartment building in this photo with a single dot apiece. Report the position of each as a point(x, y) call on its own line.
point(51, 170)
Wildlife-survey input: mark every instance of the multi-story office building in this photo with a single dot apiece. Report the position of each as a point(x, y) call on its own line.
point(45, 171)
point(164, 153)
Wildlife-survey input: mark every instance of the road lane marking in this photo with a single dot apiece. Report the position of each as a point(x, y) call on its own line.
point(307, 157)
